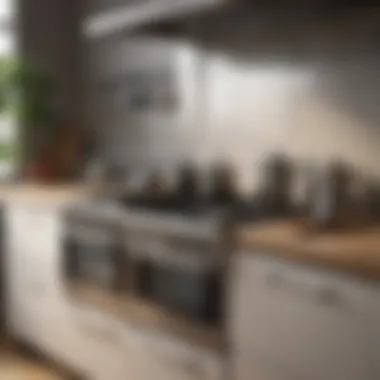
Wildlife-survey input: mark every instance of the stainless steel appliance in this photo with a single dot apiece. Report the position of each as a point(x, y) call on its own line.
point(168, 248)
point(274, 199)
point(93, 249)
point(333, 204)
point(169, 253)
point(179, 257)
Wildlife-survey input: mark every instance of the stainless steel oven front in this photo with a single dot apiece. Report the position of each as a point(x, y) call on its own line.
point(93, 253)
point(182, 275)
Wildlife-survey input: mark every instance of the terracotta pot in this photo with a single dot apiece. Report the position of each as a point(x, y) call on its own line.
point(40, 171)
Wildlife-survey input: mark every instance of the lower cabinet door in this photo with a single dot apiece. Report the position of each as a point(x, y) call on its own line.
point(17, 320)
point(262, 370)
point(104, 354)
point(375, 333)
point(161, 357)
point(110, 366)
point(53, 335)
point(114, 362)
point(306, 324)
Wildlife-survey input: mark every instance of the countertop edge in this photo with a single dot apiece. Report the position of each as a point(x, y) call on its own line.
point(364, 272)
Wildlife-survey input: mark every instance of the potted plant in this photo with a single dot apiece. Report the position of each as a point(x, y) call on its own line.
point(26, 92)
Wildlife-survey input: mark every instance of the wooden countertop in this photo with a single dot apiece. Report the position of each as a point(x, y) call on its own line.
point(48, 195)
point(355, 251)
point(147, 316)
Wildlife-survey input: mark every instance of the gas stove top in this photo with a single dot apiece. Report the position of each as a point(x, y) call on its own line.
point(171, 217)
point(190, 208)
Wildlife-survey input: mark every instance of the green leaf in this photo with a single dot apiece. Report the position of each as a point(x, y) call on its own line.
point(8, 151)
point(27, 91)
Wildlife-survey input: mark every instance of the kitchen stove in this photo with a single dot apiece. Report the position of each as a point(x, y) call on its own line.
point(161, 217)
point(170, 249)
point(170, 252)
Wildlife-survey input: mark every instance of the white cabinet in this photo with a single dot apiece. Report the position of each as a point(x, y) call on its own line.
point(89, 342)
point(104, 355)
point(169, 359)
point(37, 308)
point(374, 338)
point(122, 351)
point(293, 322)
point(19, 284)
point(16, 307)
point(32, 243)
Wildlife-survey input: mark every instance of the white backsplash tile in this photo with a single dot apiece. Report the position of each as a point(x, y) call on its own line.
point(244, 102)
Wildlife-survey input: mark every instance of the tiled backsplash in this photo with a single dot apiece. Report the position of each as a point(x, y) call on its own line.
point(309, 89)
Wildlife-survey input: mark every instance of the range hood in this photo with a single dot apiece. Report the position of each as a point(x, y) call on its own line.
point(140, 13)
point(132, 14)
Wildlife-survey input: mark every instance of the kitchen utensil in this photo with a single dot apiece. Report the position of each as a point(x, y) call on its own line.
point(330, 206)
point(274, 198)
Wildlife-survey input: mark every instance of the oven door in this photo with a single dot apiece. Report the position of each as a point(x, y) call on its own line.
point(184, 278)
point(191, 293)
point(93, 255)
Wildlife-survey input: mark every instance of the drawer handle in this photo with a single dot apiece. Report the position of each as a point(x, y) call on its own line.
point(329, 297)
point(325, 296)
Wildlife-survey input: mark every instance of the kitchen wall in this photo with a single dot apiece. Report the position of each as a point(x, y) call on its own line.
point(48, 33)
point(49, 37)
point(93, 6)
point(308, 87)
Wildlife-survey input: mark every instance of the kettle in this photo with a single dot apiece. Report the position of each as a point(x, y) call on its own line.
point(223, 189)
point(332, 198)
point(188, 187)
point(274, 198)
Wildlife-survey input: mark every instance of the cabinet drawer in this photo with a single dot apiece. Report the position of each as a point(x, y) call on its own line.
point(143, 354)
point(172, 359)
point(306, 321)
point(104, 355)
point(260, 369)
point(17, 319)
point(35, 281)
point(39, 229)
point(32, 220)
point(53, 334)
point(326, 289)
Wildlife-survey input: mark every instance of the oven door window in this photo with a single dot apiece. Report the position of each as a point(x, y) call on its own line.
point(193, 291)
point(96, 263)
point(93, 260)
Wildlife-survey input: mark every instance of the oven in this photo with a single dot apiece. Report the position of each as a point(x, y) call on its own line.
point(182, 275)
point(93, 253)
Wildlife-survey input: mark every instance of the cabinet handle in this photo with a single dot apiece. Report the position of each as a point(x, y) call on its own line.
point(324, 296)
point(329, 297)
